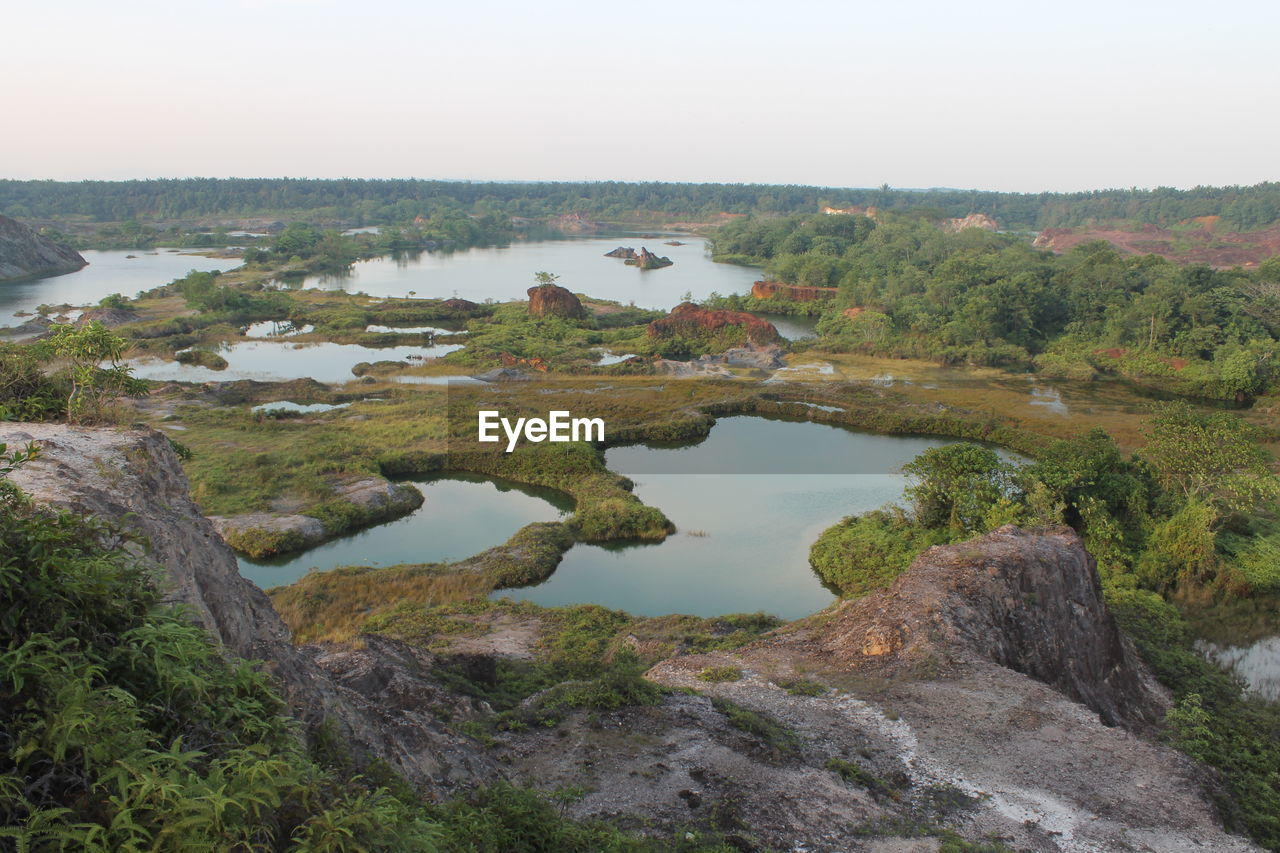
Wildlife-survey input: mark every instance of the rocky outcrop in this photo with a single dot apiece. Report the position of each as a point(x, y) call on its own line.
point(1030, 602)
point(796, 292)
point(687, 320)
point(381, 699)
point(647, 260)
point(24, 253)
point(973, 220)
point(552, 300)
point(109, 317)
point(624, 252)
point(990, 670)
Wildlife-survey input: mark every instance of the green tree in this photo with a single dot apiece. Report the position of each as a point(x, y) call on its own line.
point(93, 386)
point(1209, 458)
point(545, 278)
point(957, 486)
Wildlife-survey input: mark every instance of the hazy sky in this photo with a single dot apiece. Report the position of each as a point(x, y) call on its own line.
point(993, 95)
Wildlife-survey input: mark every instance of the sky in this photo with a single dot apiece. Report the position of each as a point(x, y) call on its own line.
point(996, 95)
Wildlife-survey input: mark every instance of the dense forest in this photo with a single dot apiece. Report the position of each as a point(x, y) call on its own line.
point(359, 201)
point(906, 288)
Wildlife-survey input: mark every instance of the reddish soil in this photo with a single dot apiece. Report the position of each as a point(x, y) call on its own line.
point(687, 319)
point(1198, 246)
point(800, 293)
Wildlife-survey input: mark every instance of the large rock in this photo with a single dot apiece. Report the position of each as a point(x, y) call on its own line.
point(1030, 602)
point(647, 260)
point(687, 320)
point(990, 674)
point(552, 300)
point(133, 479)
point(24, 253)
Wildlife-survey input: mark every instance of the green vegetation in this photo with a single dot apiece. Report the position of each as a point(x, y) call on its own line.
point(127, 728)
point(390, 201)
point(1192, 516)
point(717, 674)
point(780, 740)
point(62, 377)
point(981, 298)
point(855, 774)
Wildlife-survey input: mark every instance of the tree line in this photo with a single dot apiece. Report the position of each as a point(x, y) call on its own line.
point(366, 201)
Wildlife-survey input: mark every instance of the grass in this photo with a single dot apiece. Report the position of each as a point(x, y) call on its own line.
point(717, 674)
point(775, 736)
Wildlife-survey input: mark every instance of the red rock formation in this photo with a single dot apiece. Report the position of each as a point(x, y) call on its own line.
point(797, 292)
point(553, 300)
point(689, 320)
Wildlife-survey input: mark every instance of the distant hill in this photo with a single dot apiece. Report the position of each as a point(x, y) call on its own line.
point(24, 253)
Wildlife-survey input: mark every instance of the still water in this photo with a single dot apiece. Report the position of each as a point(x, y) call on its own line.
point(1257, 663)
point(279, 361)
point(107, 273)
point(461, 516)
point(748, 502)
point(502, 274)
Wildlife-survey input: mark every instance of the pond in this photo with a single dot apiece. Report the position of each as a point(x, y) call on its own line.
point(503, 274)
point(120, 272)
point(748, 502)
point(461, 516)
point(792, 328)
point(278, 361)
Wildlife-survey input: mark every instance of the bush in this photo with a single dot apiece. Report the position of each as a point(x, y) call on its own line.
point(867, 552)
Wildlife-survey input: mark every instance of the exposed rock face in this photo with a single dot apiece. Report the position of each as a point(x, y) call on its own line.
point(133, 479)
point(109, 317)
point(973, 220)
point(797, 292)
point(24, 253)
point(1028, 602)
point(689, 320)
point(625, 252)
point(647, 260)
point(574, 223)
point(552, 300)
point(933, 695)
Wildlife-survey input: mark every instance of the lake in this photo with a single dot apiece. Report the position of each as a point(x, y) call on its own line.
point(107, 273)
point(748, 501)
point(503, 274)
point(461, 516)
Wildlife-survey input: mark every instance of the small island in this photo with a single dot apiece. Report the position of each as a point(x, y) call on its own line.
point(644, 259)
